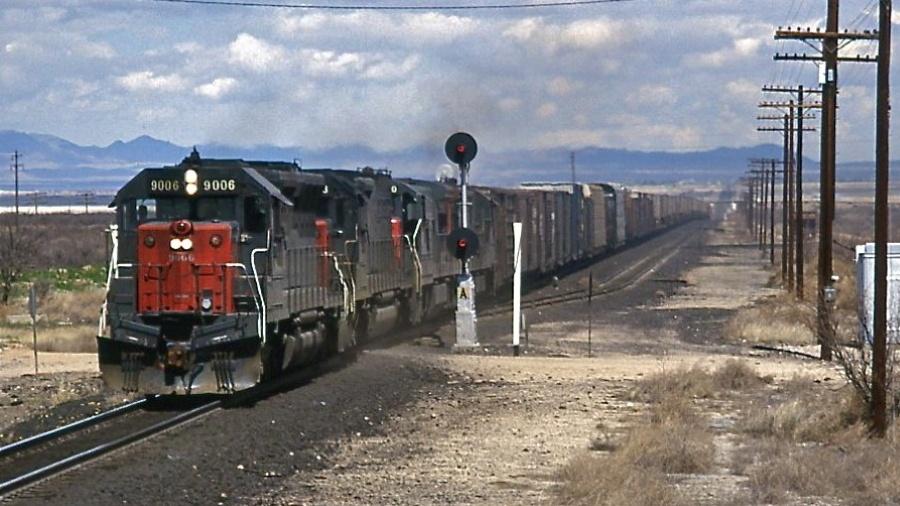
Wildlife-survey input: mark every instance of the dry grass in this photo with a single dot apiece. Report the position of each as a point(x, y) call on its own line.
point(815, 444)
point(590, 479)
point(81, 306)
point(779, 320)
point(808, 419)
point(59, 339)
point(861, 471)
point(698, 382)
point(674, 439)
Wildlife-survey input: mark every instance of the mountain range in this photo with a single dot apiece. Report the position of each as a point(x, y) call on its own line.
point(53, 164)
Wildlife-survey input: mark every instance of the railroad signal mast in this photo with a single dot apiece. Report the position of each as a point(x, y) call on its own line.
point(461, 149)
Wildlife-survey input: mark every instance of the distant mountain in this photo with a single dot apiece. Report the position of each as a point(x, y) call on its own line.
point(55, 164)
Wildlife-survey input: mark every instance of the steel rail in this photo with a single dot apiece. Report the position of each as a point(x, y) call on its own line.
point(23, 444)
point(101, 449)
point(622, 280)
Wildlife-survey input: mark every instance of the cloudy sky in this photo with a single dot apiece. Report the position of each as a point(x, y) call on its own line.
point(645, 74)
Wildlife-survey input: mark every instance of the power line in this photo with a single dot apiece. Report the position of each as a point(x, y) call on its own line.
point(362, 7)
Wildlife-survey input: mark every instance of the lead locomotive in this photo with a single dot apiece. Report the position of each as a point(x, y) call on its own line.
point(226, 272)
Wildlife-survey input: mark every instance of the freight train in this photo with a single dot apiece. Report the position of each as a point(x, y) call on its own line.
point(226, 272)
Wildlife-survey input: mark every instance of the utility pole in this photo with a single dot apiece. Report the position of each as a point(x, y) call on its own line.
point(15, 168)
point(882, 171)
point(87, 200)
point(790, 198)
point(829, 55)
point(34, 199)
point(760, 191)
point(787, 130)
point(767, 168)
point(572, 163)
point(800, 115)
point(798, 224)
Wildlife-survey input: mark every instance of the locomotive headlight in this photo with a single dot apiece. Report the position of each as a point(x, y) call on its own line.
point(215, 241)
point(206, 303)
point(187, 244)
point(175, 243)
point(190, 188)
point(190, 176)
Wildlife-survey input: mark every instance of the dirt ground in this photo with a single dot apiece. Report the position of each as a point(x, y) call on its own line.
point(414, 423)
point(504, 426)
point(67, 387)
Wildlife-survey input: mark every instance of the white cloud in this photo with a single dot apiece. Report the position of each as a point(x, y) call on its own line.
point(255, 54)
point(329, 63)
point(592, 33)
point(560, 86)
point(652, 94)
point(412, 29)
point(741, 48)
point(216, 89)
point(147, 80)
point(509, 104)
point(388, 70)
point(546, 110)
point(584, 34)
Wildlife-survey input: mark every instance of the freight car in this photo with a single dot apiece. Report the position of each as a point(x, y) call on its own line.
point(226, 272)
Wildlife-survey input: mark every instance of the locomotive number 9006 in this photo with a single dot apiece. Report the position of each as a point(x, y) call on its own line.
point(219, 185)
point(165, 185)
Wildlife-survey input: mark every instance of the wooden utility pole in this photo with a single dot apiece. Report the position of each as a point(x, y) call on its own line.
point(772, 216)
point(766, 167)
point(829, 55)
point(790, 198)
point(15, 168)
point(787, 130)
point(798, 224)
point(882, 170)
point(572, 163)
point(800, 114)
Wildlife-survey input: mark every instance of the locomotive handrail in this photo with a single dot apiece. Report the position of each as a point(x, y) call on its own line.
point(256, 299)
point(348, 295)
point(262, 301)
point(113, 268)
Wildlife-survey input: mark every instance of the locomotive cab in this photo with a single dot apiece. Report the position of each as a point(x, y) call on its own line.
point(193, 251)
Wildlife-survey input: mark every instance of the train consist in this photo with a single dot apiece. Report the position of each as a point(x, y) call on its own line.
point(226, 272)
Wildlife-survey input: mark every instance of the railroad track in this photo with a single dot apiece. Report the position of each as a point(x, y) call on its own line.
point(46, 455)
point(54, 452)
point(621, 280)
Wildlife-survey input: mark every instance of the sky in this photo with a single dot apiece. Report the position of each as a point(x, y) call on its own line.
point(648, 75)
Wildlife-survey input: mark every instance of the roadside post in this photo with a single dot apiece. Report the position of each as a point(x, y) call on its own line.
point(517, 285)
point(461, 149)
point(590, 313)
point(32, 310)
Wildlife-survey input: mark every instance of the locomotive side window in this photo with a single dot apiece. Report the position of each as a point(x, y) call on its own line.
point(146, 210)
point(254, 215)
point(215, 208)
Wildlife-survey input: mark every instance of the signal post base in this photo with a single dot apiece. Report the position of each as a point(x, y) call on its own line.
point(466, 318)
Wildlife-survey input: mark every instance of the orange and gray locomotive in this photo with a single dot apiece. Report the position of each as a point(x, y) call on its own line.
point(225, 272)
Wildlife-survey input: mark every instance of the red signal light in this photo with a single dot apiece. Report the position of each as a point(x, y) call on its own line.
point(462, 243)
point(460, 148)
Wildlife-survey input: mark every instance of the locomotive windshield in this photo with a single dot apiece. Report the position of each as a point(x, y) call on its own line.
point(139, 211)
